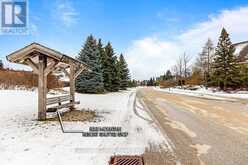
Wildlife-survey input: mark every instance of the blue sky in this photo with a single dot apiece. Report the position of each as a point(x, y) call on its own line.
point(129, 25)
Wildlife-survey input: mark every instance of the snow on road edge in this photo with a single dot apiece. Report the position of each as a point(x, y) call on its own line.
point(204, 93)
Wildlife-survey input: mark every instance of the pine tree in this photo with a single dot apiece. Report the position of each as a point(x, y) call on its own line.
point(151, 82)
point(90, 81)
point(108, 67)
point(168, 75)
point(225, 64)
point(244, 76)
point(133, 83)
point(115, 75)
point(1, 64)
point(101, 52)
point(106, 70)
point(124, 73)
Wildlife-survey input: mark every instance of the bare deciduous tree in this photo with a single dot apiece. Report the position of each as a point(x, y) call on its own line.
point(186, 67)
point(179, 66)
point(205, 60)
point(177, 69)
point(181, 69)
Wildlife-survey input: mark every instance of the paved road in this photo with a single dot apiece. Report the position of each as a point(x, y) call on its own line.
point(201, 131)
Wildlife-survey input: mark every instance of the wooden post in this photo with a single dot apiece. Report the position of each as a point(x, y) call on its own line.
point(42, 88)
point(72, 85)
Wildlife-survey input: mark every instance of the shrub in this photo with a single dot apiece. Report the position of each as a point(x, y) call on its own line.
point(11, 78)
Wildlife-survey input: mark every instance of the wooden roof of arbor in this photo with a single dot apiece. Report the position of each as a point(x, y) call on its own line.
point(29, 52)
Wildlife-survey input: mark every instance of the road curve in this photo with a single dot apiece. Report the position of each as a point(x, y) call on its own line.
point(201, 131)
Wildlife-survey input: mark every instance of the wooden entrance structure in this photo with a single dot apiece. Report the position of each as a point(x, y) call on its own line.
point(44, 60)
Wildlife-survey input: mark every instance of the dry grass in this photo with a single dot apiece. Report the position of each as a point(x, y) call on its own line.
point(167, 83)
point(76, 115)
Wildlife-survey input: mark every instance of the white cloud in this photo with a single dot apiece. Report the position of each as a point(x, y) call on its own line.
point(152, 56)
point(65, 13)
point(235, 21)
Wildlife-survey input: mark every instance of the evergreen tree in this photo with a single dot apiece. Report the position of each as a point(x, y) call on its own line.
point(108, 67)
point(244, 76)
point(133, 83)
point(225, 64)
point(105, 70)
point(124, 73)
point(151, 82)
point(102, 53)
point(90, 81)
point(115, 75)
point(1, 64)
point(168, 75)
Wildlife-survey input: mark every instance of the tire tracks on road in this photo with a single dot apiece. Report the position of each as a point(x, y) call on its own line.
point(179, 141)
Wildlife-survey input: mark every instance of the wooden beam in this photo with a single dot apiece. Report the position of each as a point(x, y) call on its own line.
point(78, 72)
point(50, 67)
point(42, 88)
point(57, 68)
point(72, 85)
point(32, 65)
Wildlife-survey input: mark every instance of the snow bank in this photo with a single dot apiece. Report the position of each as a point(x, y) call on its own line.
point(210, 93)
point(24, 140)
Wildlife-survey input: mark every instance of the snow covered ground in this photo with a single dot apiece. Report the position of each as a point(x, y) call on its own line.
point(24, 140)
point(209, 93)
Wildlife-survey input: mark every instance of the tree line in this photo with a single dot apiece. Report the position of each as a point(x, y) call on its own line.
point(221, 68)
point(109, 72)
point(1, 64)
point(213, 67)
